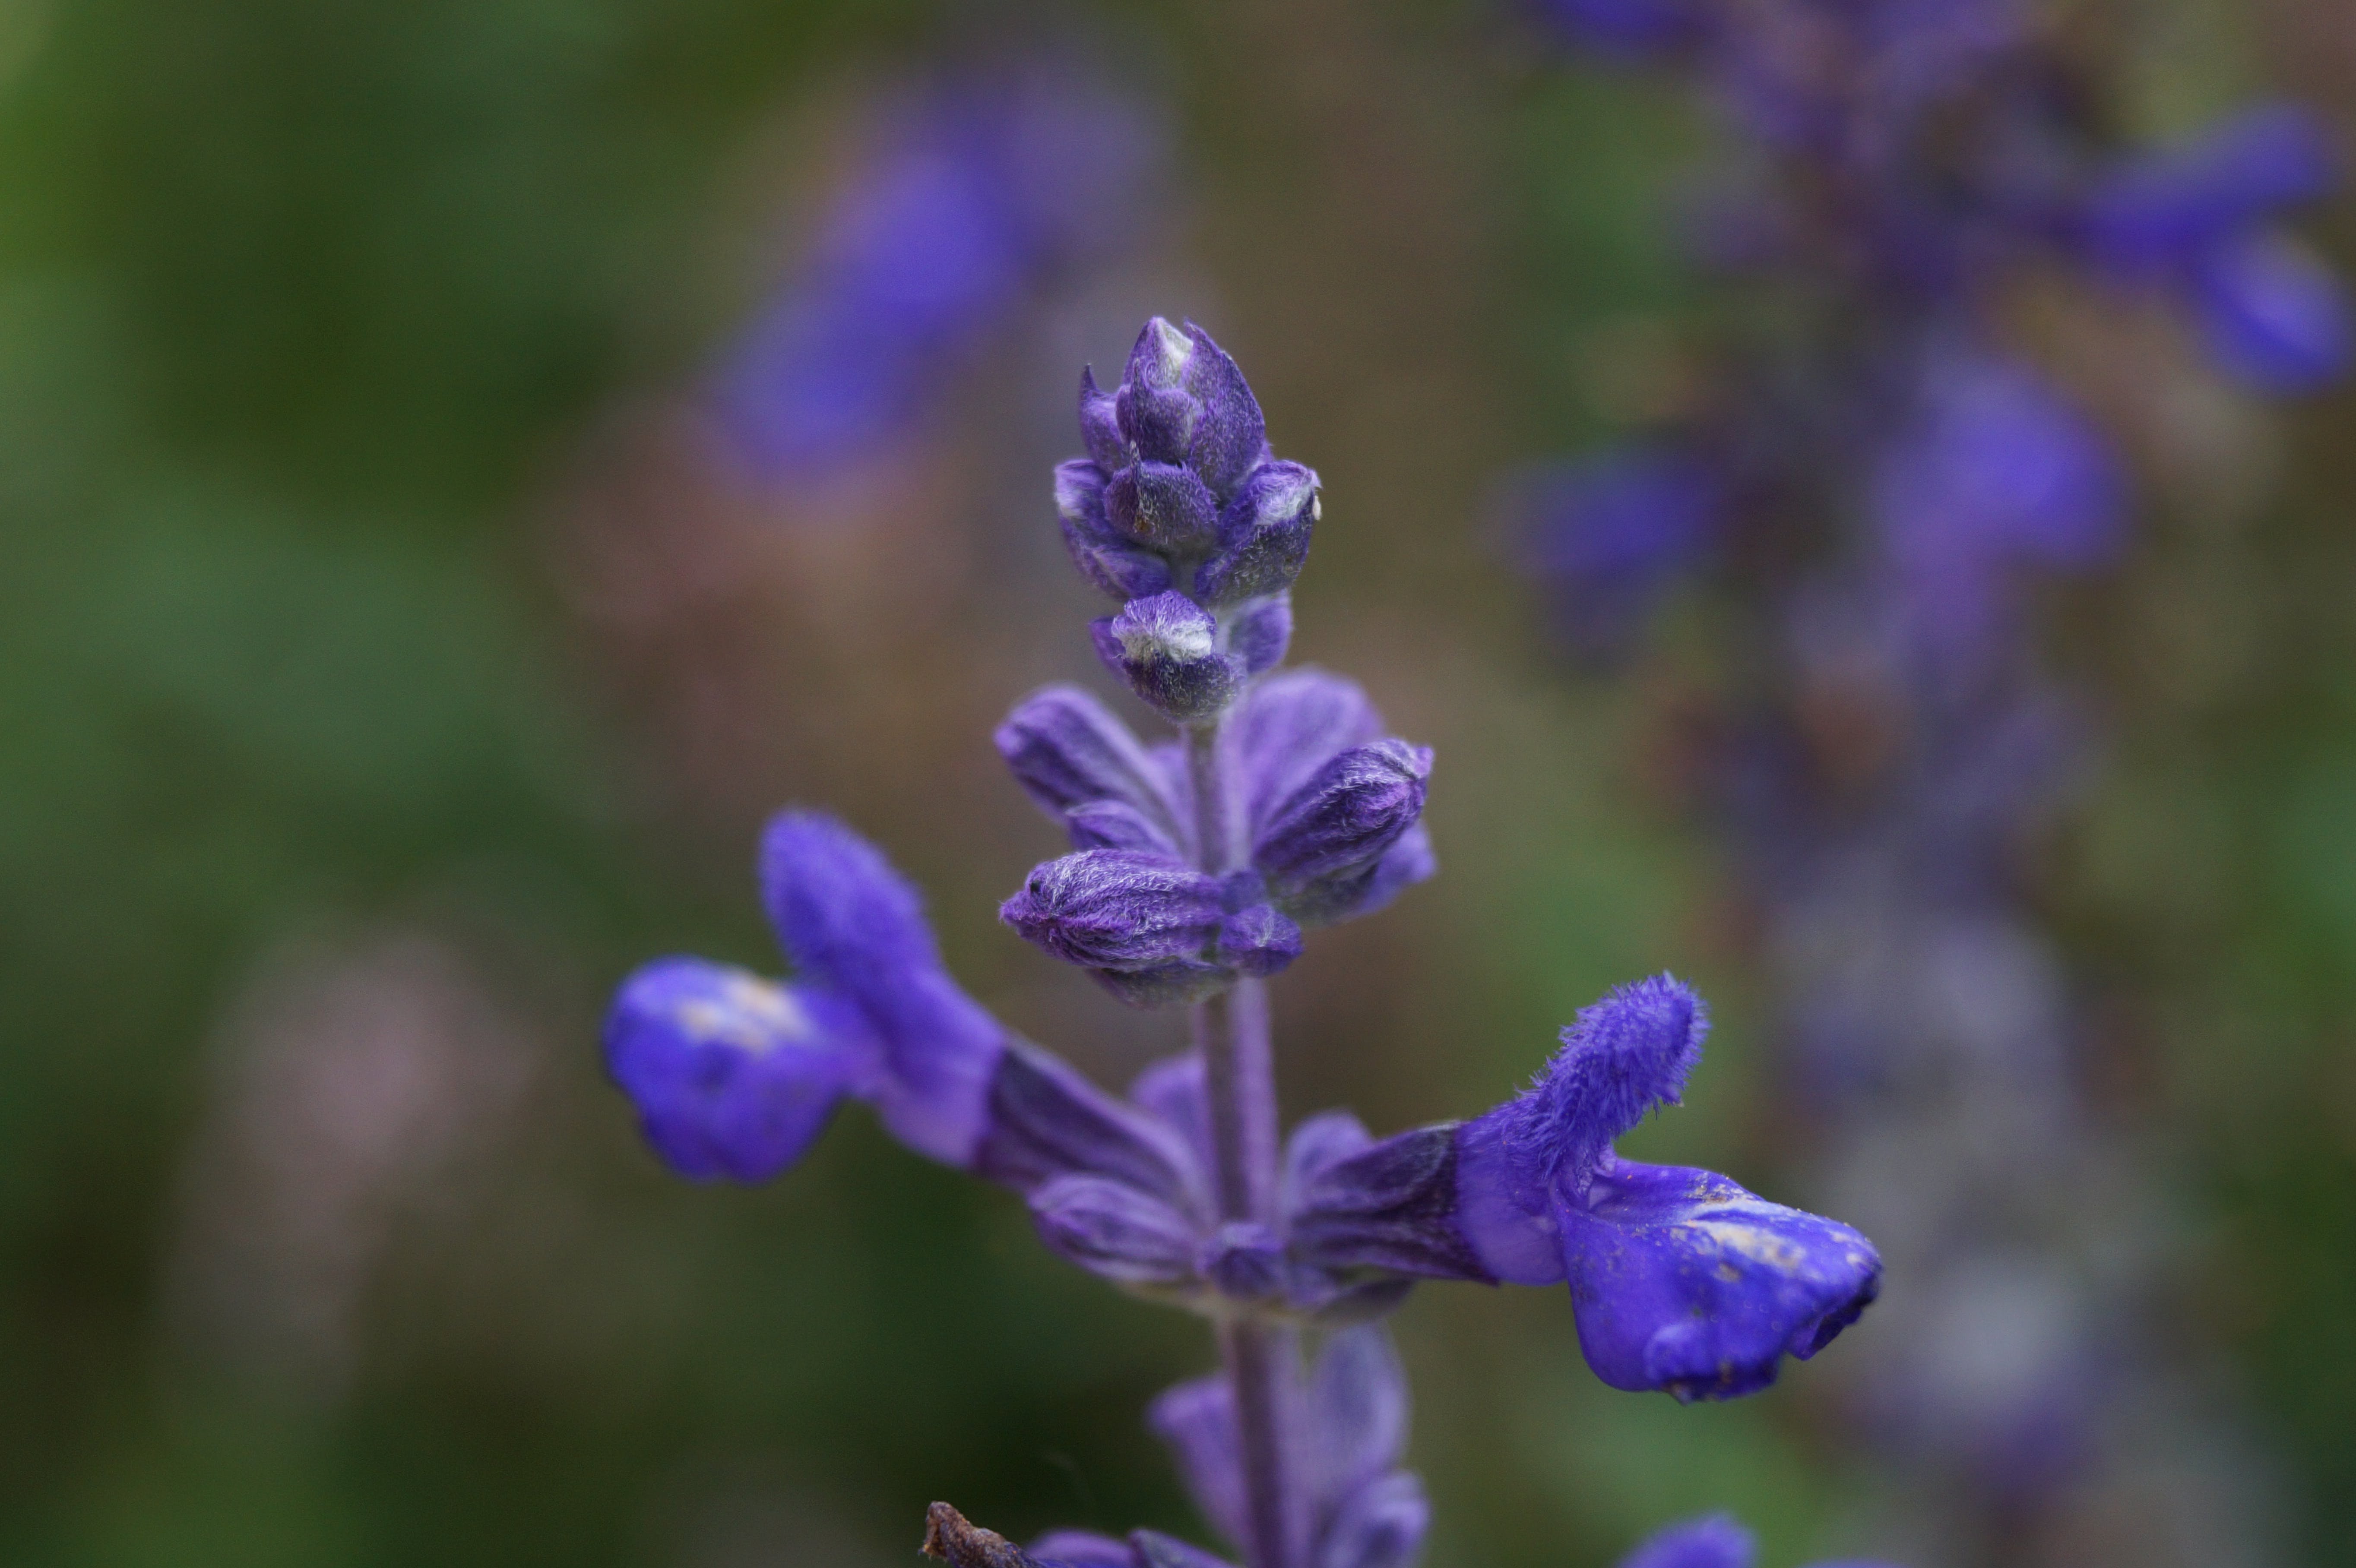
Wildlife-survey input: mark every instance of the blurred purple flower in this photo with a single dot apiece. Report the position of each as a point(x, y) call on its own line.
point(982, 188)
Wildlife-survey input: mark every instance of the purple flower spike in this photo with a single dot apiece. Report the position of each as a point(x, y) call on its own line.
point(857, 929)
point(1713, 1542)
point(2274, 317)
point(1112, 909)
point(1683, 1281)
point(1626, 1054)
point(732, 1075)
point(1167, 649)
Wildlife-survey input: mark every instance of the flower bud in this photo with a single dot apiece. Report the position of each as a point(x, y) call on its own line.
point(1114, 1231)
point(1259, 941)
point(1263, 535)
point(1340, 822)
point(1075, 759)
point(1167, 648)
point(1111, 562)
point(1163, 507)
point(1258, 633)
point(1116, 909)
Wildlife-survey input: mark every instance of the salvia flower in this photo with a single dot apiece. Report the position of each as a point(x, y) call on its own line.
point(1197, 865)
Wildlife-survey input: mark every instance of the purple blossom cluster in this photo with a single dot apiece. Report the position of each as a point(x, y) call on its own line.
point(1880, 482)
point(1198, 865)
point(981, 188)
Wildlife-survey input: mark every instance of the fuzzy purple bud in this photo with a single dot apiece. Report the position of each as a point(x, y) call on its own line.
point(1343, 820)
point(1112, 562)
point(1167, 648)
point(1113, 908)
point(1086, 770)
point(1264, 535)
point(1163, 507)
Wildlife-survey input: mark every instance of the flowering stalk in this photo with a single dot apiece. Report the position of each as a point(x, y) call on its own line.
point(1197, 865)
point(1888, 476)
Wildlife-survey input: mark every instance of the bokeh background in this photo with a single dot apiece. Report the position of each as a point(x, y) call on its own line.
point(396, 646)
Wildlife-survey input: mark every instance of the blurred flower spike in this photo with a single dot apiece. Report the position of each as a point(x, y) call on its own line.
point(1199, 865)
point(984, 188)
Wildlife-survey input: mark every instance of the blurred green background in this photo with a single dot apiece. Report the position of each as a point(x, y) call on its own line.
point(381, 681)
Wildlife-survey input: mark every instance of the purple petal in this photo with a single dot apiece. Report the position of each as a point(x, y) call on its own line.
point(1357, 1415)
point(855, 926)
point(1244, 1260)
point(1713, 1542)
point(1320, 1141)
point(1196, 1421)
point(1114, 1231)
point(1381, 1525)
point(1289, 726)
point(1515, 1243)
point(1047, 1120)
point(1259, 941)
point(2160, 208)
point(1154, 1549)
point(1098, 427)
point(2274, 315)
point(1629, 1052)
point(732, 1074)
point(1172, 1090)
point(1682, 1280)
point(1230, 437)
point(1080, 1549)
point(1068, 752)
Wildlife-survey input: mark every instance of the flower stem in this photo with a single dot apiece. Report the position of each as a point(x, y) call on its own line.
point(1231, 1031)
